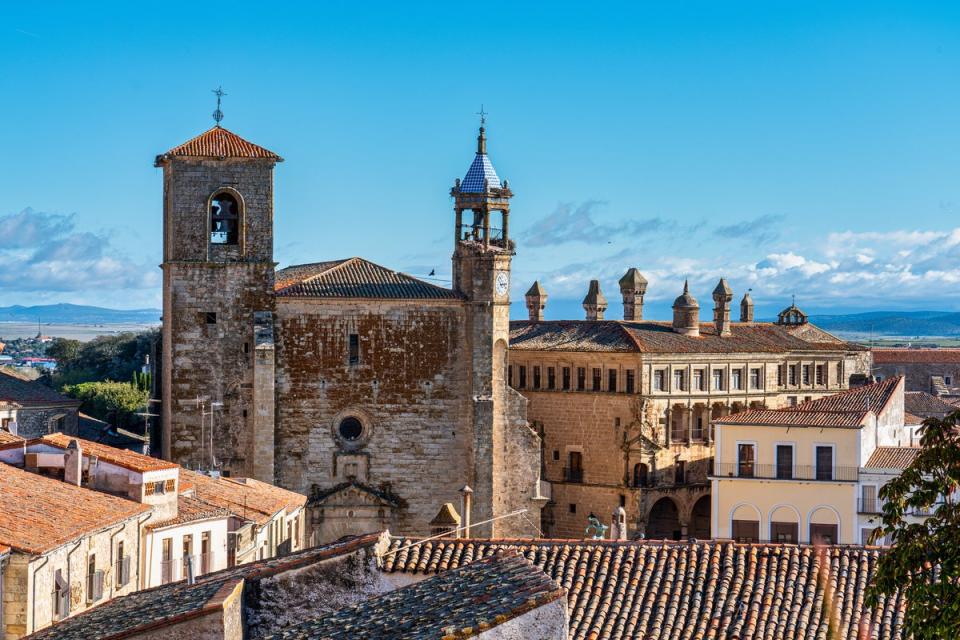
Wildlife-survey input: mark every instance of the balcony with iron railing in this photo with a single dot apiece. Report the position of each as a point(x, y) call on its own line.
point(573, 474)
point(783, 472)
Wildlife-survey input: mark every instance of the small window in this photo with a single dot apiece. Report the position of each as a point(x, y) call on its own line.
point(575, 467)
point(659, 379)
point(551, 378)
point(612, 380)
point(596, 379)
point(736, 379)
point(623, 500)
point(224, 219)
point(792, 374)
point(573, 508)
point(536, 377)
point(820, 373)
point(510, 375)
point(631, 381)
point(354, 355)
point(755, 378)
point(522, 371)
point(640, 475)
point(791, 401)
point(680, 472)
point(581, 378)
point(698, 379)
point(718, 380)
point(948, 379)
point(556, 454)
point(350, 429)
point(678, 381)
point(211, 317)
point(159, 487)
point(806, 374)
point(745, 459)
point(780, 374)
point(566, 378)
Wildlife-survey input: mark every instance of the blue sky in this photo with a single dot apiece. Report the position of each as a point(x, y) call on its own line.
point(796, 148)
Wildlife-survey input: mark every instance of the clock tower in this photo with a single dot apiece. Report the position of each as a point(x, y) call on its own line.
point(481, 273)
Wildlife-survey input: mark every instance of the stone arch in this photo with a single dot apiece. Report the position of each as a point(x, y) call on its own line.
point(232, 214)
point(700, 518)
point(641, 475)
point(663, 521)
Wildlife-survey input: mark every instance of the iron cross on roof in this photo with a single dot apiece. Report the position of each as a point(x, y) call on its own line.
point(218, 114)
point(483, 116)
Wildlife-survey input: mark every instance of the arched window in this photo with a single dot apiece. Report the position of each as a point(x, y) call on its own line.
point(350, 429)
point(639, 475)
point(224, 219)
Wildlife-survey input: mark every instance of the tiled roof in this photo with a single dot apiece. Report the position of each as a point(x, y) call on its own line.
point(480, 176)
point(218, 143)
point(41, 514)
point(919, 356)
point(717, 590)
point(7, 438)
point(659, 337)
point(354, 278)
point(911, 420)
point(921, 403)
point(783, 417)
point(244, 497)
point(191, 510)
point(29, 392)
point(892, 457)
point(4, 550)
point(874, 396)
point(138, 612)
point(462, 603)
point(119, 457)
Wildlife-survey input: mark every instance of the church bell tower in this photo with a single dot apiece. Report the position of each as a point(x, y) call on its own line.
point(481, 273)
point(218, 275)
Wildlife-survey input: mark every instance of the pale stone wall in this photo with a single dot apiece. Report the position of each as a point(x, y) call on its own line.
point(546, 622)
point(33, 422)
point(29, 580)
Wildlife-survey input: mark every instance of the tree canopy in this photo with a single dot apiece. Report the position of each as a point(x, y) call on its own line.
point(115, 357)
point(924, 561)
point(113, 402)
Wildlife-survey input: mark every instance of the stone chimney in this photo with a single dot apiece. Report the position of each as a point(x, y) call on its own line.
point(536, 302)
point(686, 313)
point(618, 528)
point(722, 296)
point(73, 463)
point(746, 308)
point(594, 304)
point(632, 287)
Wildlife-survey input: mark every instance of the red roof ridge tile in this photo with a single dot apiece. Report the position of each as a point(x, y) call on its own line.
point(218, 142)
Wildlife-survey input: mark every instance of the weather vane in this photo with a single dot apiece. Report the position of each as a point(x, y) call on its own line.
point(218, 114)
point(483, 116)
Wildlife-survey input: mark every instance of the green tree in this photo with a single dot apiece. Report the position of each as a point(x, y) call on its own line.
point(924, 561)
point(115, 357)
point(113, 402)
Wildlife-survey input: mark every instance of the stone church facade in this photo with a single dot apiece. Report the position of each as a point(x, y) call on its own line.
point(380, 395)
point(625, 407)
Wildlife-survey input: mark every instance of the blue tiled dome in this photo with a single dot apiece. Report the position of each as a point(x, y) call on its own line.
point(481, 170)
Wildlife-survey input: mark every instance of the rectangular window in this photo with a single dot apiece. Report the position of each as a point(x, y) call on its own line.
point(206, 554)
point(792, 374)
point(868, 499)
point(745, 458)
point(536, 377)
point(166, 561)
point(823, 533)
point(94, 580)
point(522, 371)
point(784, 462)
point(791, 401)
point(631, 381)
point(659, 378)
point(354, 348)
point(581, 378)
point(188, 556)
point(61, 596)
point(840, 372)
point(736, 379)
point(718, 380)
point(698, 379)
point(556, 454)
point(755, 379)
point(572, 508)
point(574, 467)
point(680, 472)
point(596, 379)
point(783, 532)
point(566, 378)
point(820, 374)
point(510, 375)
point(678, 380)
point(211, 317)
point(551, 378)
point(824, 456)
point(122, 569)
point(780, 368)
point(612, 380)
point(746, 530)
point(806, 374)
point(948, 379)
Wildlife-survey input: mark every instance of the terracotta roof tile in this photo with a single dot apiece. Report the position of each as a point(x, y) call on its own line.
point(660, 591)
point(218, 143)
point(659, 337)
point(892, 457)
point(134, 614)
point(191, 510)
point(244, 497)
point(30, 392)
point(4, 550)
point(461, 603)
point(7, 438)
point(41, 514)
point(912, 420)
point(916, 356)
point(921, 403)
point(354, 278)
point(119, 457)
point(873, 396)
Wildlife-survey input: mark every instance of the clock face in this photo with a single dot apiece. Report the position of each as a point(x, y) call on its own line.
point(502, 283)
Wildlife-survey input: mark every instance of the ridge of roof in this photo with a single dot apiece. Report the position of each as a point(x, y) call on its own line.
point(218, 142)
point(120, 457)
point(355, 277)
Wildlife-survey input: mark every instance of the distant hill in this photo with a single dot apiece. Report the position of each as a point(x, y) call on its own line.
point(892, 323)
point(78, 314)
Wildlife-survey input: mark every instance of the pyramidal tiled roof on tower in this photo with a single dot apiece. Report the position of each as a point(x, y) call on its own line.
point(354, 278)
point(481, 174)
point(219, 143)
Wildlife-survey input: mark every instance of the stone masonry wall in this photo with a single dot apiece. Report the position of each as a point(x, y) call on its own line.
point(35, 422)
point(408, 390)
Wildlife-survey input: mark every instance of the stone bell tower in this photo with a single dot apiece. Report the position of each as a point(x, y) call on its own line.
point(218, 276)
point(481, 273)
